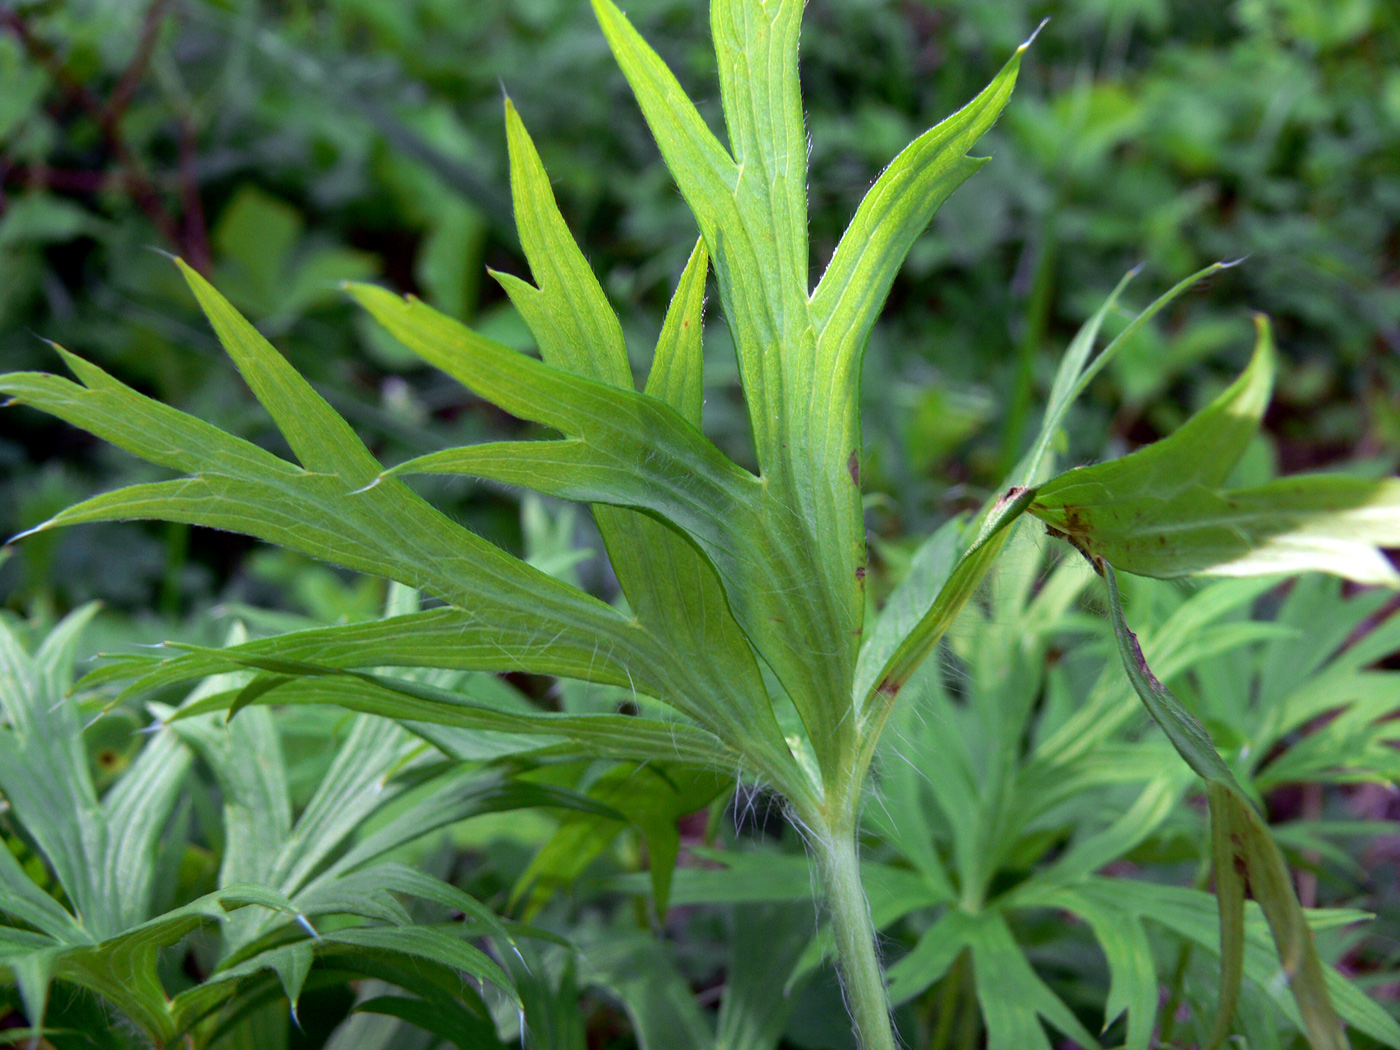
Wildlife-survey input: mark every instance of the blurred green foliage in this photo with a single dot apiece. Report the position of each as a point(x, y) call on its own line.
point(284, 147)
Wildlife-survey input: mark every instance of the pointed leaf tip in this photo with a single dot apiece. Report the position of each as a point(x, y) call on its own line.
point(373, 484)
point(1035, 33)
point(305, 924)
point(42, 526)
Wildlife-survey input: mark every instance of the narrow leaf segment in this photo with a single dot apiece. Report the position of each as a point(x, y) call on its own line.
point(1243, 851)
point(1162, 511)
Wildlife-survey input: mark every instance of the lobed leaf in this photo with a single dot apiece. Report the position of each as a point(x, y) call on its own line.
point(1012, 997)
point(668, 584)
point(534, 622)
point(894, 213)
point(677, 367)
point(631, 450)
point(566, 310)
point(1160, 511)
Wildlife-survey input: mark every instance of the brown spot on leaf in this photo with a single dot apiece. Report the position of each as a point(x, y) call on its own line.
point(1077, 543)
point(853, 465)
point(1138, 658)
point(860, 572)
point(888, 687)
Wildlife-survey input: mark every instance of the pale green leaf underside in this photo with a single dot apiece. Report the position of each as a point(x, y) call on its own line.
point(799, 357)
point(668, 584)
point(532, 618)
point(1161, 512)
point(632, 450)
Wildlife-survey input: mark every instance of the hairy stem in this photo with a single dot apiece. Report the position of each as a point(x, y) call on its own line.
point(862, 979)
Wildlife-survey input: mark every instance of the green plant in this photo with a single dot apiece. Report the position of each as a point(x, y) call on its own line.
point(1259, 127)
point(725, 572)
point(996, 812)
point(315, 897)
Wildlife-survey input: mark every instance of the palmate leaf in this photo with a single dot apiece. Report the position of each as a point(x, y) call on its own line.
point(277, 876)
point(237, 486)
point(1194, 916)
point(524, 619)
point(101, 851)
point(123, 968)
point(1133, 988)
point(325, 865)
point(799, 358)
point(668, 583)
point(939, 793)
point(1161, 511)
point(1012, 998)
point(633, 450)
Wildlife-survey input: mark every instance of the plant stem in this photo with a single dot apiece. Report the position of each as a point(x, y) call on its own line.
point(861, 977)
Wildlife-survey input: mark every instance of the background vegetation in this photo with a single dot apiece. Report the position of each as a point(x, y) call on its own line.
point(282, 147)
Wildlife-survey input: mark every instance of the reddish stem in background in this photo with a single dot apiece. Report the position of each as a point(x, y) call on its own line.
point(196, 232)
point(65, 180)
point(188, 237)
point(135, 70)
